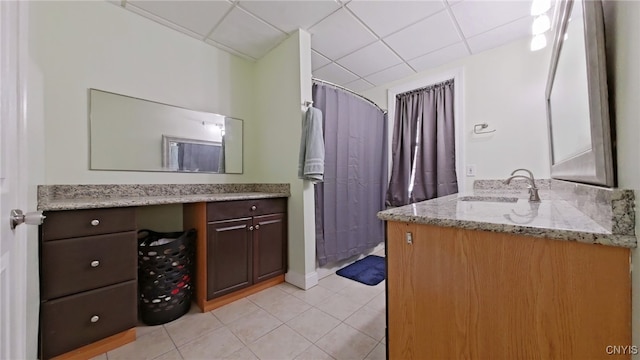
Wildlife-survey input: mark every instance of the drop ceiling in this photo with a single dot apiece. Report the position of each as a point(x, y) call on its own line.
point(358, 44)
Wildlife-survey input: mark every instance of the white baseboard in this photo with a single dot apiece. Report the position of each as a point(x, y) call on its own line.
point(302, 281)
point(329, 269)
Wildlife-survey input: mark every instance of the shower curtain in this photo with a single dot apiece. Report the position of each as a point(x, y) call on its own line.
point(355, 176)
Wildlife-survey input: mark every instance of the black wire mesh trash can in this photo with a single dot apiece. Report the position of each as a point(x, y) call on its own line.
point(165, 274)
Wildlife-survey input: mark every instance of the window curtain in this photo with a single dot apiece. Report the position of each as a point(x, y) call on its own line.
point(355, 175)
point(423, 146)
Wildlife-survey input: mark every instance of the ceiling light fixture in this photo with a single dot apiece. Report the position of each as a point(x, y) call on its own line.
point(539, 7)
point(538, 42)
point(541, 24)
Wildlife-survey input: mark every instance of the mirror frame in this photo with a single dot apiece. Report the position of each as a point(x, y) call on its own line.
point(595, 166)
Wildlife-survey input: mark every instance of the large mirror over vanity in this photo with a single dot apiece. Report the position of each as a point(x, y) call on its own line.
point(133, 134)
point(577, 97)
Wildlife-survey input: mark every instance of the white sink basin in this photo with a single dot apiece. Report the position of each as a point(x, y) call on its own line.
point(501, 199)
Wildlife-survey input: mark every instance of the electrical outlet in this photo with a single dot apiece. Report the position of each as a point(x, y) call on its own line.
point(471, 170)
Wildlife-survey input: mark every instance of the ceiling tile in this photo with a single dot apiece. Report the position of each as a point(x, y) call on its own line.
point(318, 61)
point(372, 58)
point(246, 34)
point(393, 73)
point(339, 34)
point(359, 85)
point(439, 57)
point(197, 16)
point(291, 15)
point(501, 35)
point(386, 17)
point(428, 35)
point(475, 17)
point(335, 74)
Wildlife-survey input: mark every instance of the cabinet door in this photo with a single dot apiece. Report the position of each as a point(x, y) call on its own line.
point(269, 246)
point(229, 254)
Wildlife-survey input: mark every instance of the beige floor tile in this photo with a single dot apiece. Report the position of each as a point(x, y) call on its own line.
point(234, 311)
point(267, 296)
point(287, 308)
point(288, 288)
point(384, 340)
point(102, 356)
point(216, 344)
point(313, 324)
point(144, 329)
point(251, 327)
point(360, 293)
point(378, 353)
point(313, 296)
point(370, 322)
point(334, 282)
point(243, 354)
point(379, 302)
point(149, 346)
point(314, 353)
point(339, 306)
point(345, 342)
point(171, 355)
point(191, 326)
point(280, 344)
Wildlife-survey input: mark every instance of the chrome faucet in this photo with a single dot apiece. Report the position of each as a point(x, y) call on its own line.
point(533, 190)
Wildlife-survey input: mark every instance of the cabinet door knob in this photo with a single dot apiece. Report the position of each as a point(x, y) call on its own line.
point(95, 318)
point(95, 263)
point(95, 222)
point(251, 228)
point(257, 226)
point(253, 208)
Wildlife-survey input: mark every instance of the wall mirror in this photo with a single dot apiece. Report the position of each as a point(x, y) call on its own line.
point(577, 96)
point(133, 134)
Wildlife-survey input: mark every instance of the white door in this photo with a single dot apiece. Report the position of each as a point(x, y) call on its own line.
point(13, 254)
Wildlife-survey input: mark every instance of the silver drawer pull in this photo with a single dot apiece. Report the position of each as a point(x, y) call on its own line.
point(250, 228)
point(95, 222)
point(95, 318)
point(257, 226)
point(95, 263)
point(253, 208)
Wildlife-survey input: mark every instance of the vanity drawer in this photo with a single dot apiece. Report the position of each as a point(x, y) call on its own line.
point(73, 265)
point(75, 223)
point(77, 320)
point(224, 210)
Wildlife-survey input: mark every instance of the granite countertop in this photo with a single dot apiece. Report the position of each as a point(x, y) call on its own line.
point(489, 210)
point(74, 197)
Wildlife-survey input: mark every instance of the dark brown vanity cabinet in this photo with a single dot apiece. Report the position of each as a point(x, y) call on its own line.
point(246, 244)
point(88, 272)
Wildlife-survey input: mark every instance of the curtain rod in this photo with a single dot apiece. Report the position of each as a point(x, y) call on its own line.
point(347, 90)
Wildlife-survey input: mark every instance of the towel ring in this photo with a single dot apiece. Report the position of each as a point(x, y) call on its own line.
point(482, 127)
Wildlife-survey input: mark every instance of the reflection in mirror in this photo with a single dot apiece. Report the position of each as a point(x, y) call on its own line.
point(139, 135)
point(570, 97)
point(577, 96)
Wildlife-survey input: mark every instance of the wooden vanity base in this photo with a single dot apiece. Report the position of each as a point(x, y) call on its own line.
point(455, 293)
point(100, 347)
point(229, 298)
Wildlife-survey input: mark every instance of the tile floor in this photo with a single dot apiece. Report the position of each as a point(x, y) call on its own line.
point(337, 319)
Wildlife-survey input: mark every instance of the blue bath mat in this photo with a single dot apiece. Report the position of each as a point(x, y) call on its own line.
point(370, 270)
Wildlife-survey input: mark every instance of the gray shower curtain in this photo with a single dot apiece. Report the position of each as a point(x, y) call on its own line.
point(355, 175)
point(423, 135)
